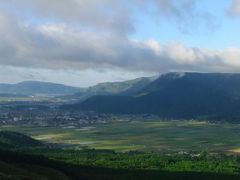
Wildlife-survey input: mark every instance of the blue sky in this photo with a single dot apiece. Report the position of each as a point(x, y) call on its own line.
point(219, 37)
point(84, 42)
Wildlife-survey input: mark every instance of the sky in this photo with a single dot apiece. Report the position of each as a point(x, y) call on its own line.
point(85, 42)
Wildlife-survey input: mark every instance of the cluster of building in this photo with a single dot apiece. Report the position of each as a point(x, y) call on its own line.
point(42, 115)
point(51, 117)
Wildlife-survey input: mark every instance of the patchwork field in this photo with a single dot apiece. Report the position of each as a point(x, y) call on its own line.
point(144, 136)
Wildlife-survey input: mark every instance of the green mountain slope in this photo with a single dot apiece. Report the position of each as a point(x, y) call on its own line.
point(112, 88)
point(174, 95)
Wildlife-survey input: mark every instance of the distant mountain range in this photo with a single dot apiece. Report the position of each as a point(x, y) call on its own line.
point(175, 95)
point(32, 88)
point(68, 93)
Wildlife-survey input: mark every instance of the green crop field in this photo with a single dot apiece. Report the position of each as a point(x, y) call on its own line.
point(167, 136)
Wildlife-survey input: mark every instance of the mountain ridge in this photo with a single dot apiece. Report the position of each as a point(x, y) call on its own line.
point(127, 88)
point(172, 95)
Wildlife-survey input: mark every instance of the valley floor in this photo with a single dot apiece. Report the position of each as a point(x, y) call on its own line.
point(168, 150)
point(160, 136)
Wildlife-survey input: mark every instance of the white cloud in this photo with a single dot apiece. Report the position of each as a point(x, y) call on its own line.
point(94, 35)
point(58, 46)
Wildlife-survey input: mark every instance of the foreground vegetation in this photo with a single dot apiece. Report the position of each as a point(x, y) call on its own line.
point(35, 160)
point(203, 162)
point(91, 164)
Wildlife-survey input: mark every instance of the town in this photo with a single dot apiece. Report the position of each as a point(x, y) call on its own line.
point(41, 116)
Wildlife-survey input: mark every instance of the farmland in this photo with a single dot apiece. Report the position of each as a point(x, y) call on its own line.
point(158, 136)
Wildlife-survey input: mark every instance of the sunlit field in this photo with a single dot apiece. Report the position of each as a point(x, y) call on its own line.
point(173, 136)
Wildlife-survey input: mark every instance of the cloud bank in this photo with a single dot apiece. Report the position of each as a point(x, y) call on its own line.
point(93, 34)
